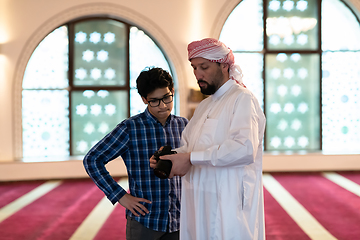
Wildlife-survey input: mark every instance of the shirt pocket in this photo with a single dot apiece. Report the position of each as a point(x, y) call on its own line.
point(208, 131)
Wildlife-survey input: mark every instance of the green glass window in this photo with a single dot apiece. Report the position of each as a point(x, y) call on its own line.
point(100, 53)
point(292, 101)
point(305, 74)
point(292, 25)
point(95, 114)
point(80, 82)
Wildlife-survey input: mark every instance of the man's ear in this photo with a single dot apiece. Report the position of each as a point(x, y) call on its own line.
point(225, 69)
point(144, 100)
point(225, 66)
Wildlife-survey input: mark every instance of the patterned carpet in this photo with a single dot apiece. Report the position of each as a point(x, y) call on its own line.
point(297, 206)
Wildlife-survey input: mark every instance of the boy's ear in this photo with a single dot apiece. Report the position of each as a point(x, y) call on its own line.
point(144, 100)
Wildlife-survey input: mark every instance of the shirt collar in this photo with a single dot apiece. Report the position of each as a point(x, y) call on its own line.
point(154, 119)
point(223, 89)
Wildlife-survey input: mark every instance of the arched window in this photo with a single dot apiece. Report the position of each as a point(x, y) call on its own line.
point(80, 82)
point(302, 60)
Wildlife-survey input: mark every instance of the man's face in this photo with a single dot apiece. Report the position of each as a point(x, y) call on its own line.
point(163, 110)
point(209, 75)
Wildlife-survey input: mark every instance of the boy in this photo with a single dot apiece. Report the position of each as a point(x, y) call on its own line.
point(153, 204)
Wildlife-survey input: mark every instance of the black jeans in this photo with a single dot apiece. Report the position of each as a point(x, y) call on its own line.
point(137, 231)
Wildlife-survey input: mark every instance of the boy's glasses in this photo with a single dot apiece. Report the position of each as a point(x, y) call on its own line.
point(156, 102)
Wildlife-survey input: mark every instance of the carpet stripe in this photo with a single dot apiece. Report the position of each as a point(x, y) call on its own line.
point(298, 213)
point(95, 220)
point(343, 182)
point(351, 175)
point(26, 199)
point(115, 226)
point(278, 224)
point(9, 192)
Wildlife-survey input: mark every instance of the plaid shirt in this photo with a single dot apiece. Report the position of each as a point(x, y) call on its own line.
point(135, 140)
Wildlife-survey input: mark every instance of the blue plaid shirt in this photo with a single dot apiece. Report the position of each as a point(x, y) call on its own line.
point(135, 140)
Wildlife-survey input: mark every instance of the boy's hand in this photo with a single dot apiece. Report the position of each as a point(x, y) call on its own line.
point(133, 204)
point(153, 162)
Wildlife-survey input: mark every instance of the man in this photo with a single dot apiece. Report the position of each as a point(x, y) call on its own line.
point(153, 204)
point(221, 154)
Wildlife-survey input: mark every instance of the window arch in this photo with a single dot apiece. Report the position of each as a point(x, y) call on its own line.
point(302, 60)
point(80, 82)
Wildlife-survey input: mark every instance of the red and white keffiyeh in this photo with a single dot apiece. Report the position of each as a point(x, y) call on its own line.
point(216, 51)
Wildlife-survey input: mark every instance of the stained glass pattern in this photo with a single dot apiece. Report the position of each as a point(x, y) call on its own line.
point(340, 28)
point(100, 59)
point(94, 114)
point(100, 53)
point(292, 25)
point(45, 123)
point(48, 65)
point(292, 101)
point(292, 80)
point(45, 114)
point(243, 30)
point(341, 101)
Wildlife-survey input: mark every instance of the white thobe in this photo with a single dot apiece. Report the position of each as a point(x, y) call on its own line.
point(222, 194)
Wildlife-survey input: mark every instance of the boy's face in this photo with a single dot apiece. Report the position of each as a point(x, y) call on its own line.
point(162, 111)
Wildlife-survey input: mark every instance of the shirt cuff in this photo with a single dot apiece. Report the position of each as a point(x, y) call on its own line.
point(197, 158)
point(115, 197)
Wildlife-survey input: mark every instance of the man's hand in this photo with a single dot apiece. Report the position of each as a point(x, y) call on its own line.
point(181, 163)
point(133, 204)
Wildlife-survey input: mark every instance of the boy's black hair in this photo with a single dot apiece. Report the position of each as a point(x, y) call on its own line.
point(153, 78)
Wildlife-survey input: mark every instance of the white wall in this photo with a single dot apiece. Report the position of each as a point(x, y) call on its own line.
point(173, 24)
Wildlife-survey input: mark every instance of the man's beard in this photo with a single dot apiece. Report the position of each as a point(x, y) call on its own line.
point(209, 89)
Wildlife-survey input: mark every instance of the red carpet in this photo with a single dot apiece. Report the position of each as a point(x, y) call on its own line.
point(56, 215)
point(115, 227)
point(334, 207)
point(59, 213)
point(11, 191)
point(353, 176)
point(278, 224)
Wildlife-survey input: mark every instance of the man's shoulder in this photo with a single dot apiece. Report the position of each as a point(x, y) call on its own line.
point(240, 90)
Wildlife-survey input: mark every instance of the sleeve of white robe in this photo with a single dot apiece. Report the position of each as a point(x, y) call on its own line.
point(240, 147)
